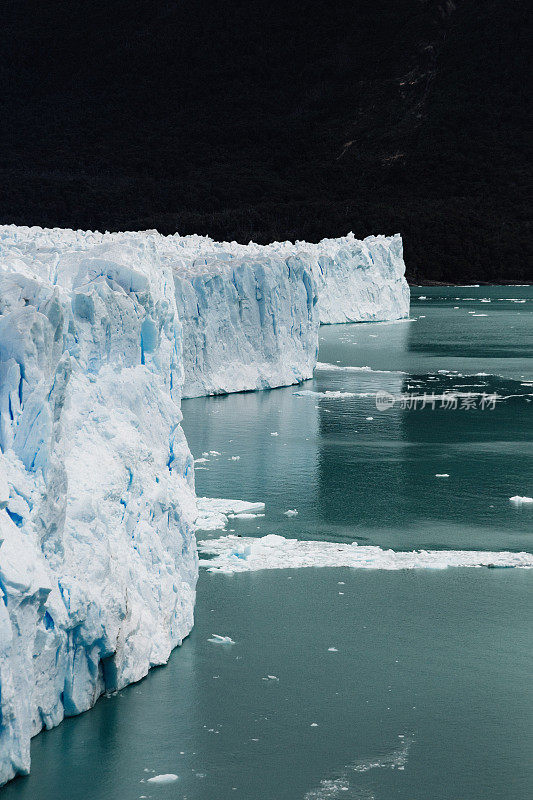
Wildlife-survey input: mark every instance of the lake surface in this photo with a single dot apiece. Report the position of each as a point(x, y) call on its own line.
point(428, 694)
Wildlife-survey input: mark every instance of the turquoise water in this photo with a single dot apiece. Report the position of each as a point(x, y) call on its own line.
point(429, 695)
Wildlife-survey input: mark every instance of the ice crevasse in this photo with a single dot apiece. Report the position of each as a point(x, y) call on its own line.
point(101, 335)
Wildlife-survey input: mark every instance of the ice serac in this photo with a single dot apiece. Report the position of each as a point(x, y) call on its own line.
point(98, 561)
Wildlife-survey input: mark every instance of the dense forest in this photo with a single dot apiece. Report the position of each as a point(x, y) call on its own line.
point(271, 119)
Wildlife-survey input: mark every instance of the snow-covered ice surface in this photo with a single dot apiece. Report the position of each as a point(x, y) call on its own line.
point(249, 321)
point(98, 561)
point(246, 554)
point(242, 304)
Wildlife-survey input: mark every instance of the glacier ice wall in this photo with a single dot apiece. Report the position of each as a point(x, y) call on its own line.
point(357, 280)
point(361, 281)
point(247, 324)
point(250, 313)
point(98, 561)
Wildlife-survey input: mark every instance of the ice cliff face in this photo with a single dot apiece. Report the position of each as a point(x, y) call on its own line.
point(248, 324)
point(98, 561)
point(361, 281)
point(250, 313)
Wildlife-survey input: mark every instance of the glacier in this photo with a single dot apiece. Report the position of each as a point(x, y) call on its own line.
point(250, 313)
point(101, 336)
point(98, 560)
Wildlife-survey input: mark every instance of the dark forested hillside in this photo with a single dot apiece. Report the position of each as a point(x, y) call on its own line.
point(263, 119)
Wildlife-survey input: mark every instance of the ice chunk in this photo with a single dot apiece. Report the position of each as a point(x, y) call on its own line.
point(520, 500)
point(213, 512)
point(291, 512)
point(168, 777)
point(217, 639)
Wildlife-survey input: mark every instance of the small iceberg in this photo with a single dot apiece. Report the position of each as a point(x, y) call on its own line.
point(169, 777)
point(217, 639)
point(520, 500)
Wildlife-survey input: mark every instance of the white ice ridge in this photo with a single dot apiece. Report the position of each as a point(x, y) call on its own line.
point(246, 554)
point(250, 313)
point(98, 561)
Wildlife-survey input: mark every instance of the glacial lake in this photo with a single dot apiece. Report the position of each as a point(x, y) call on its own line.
point(428, 692)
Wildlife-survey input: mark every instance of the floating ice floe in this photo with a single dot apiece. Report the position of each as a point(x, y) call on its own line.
point(245, 554)
point(333, 394)
point(349, 775)
point(324, 366)
point(291, 512)
point(442, 475)
point(520, 500)
point(213, 512)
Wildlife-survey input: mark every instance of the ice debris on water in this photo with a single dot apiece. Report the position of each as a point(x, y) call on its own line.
point(213, 512)
point(243, 554)
point(291, 512)
point(520, 500)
